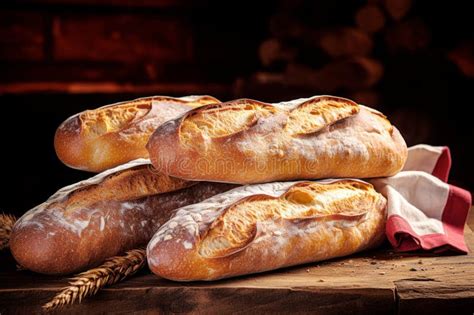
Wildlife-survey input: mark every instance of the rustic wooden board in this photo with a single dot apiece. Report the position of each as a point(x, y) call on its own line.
point(373, 282)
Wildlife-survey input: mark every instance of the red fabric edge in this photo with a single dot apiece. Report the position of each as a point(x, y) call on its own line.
point(455, 215)
point(443, 165)
point(455, 212)
point(403, 238)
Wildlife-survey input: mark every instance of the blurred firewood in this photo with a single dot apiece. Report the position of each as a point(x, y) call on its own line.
point(269, 87)
point(410, 36)
point(285, 26)
point(301, 75)
point(351, 74)
point(289, 5)
point(370, 98)
point(347, 41)
point(356, 74)
point(463, 57)
point(269, 77)
point(415, 126)
point(335, 42)
point(370, 18)
point(273, 50)
point(397, 9)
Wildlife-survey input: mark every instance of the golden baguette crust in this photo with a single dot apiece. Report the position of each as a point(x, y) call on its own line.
point(83, 224)
point(96, 140)
point(246, 141)
point(263, 227)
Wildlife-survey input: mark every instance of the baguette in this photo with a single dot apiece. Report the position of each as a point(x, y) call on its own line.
point(263, 227)
point(83, 224)
point(246, 141)
point(96, 140)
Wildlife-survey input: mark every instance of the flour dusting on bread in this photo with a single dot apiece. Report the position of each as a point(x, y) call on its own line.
point(246, 141)
point(267, 226)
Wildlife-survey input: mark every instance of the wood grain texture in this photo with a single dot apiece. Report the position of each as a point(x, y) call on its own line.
point(448, 290)
point(378, 282)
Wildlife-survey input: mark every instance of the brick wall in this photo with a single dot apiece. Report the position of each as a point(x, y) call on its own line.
point(124, 41)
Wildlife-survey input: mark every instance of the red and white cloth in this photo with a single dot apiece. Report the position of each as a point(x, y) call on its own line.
point(424, 212)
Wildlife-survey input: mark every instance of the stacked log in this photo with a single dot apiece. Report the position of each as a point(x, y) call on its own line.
point(299, 54)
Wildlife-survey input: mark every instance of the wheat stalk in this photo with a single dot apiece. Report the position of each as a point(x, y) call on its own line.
point(91, 281)
point(6, 225)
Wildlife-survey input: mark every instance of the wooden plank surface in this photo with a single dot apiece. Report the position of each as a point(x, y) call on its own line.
point(376, 282)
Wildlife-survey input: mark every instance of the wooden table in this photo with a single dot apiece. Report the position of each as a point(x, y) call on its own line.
point(377, 282)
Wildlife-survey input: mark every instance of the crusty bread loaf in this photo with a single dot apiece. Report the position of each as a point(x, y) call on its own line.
point(83, 224)
point(246, 141)
point(268, 226)
point(95, 140)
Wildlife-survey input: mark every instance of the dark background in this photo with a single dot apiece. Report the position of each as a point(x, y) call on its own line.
point(414, 60)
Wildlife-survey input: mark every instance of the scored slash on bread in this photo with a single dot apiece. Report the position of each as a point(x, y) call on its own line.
point(99, 139)
point(246, 141)
point(268, 226)
point(130, 184)
point(83, 224)
point(312, 116)
point(246, 230)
